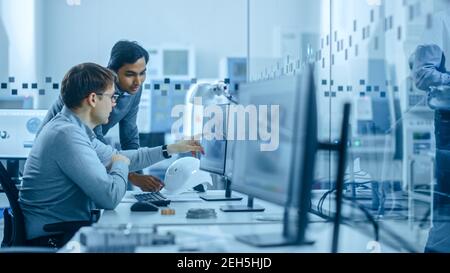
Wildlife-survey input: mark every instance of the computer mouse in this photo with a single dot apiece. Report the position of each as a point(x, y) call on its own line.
point(143, 206)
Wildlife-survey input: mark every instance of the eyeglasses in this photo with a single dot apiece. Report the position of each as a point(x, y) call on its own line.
point(113, 97)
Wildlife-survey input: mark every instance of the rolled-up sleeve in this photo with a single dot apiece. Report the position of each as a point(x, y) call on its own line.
point(429, 67)
point(84, 168)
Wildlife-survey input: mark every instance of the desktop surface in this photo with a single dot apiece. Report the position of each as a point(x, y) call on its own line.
point(219, 234)
point(122, 214)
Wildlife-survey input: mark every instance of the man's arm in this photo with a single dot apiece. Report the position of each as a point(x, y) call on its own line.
point(139, 159)
point(56, 107)
point(429, 67)
point(79, 161)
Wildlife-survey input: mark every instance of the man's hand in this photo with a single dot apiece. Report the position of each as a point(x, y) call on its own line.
point(184, 146)
point(146, 182)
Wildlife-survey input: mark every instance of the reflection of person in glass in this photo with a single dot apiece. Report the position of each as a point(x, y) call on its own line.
point(430, 72)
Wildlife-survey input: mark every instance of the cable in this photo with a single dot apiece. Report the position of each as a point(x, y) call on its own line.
point(324, 196)
point(369, 216)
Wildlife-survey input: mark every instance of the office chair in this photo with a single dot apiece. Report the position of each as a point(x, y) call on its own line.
point(14, 234)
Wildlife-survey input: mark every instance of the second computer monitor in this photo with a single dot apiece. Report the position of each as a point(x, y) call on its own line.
point(214, 140)
point(263, 159)
point(279, 165)
point(18, 130)
point(216, 144)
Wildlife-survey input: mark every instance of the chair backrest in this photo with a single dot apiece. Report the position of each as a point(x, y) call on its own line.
point(18, 235)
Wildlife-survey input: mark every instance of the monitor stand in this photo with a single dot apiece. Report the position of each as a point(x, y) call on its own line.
point(227, 196)
point(292, 233)
point(264, 240)
point(243, 208)
point(269, 240)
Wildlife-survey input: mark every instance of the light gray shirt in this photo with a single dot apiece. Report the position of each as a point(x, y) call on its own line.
point(69, 172)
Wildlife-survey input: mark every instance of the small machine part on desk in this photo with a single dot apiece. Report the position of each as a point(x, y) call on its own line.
point(167, 212)
point(121, 239)
point(201, 213)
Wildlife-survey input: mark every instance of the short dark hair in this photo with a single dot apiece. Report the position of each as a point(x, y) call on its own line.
point(83, 79)
point(126, 52)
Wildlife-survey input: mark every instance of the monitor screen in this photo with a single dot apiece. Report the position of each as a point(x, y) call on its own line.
point(265, 174)
point(176, 62)
point(239, 70)
point(215, 145)
point(283, 173)
point(18, 130)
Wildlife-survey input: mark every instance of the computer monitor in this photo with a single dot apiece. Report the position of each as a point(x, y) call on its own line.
point(16, 102)
point(215, 145)
point(282, 176)
point(235, 70)
point(176, 62)
point(18, 129)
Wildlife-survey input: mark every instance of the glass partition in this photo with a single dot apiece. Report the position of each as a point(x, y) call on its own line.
point(382, 57)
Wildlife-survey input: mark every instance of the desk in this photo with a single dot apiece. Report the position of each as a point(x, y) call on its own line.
point(123, 215)
point(217, 235)
point(221, 231)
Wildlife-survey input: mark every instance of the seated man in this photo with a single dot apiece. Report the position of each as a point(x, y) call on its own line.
point(69, 171)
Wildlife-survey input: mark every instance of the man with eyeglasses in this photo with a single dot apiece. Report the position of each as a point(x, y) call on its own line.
point(129, 61)
point(69, 171)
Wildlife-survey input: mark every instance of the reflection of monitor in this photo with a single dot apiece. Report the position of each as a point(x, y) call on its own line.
point(17, 131)
point(215, 144)
point(284, 175)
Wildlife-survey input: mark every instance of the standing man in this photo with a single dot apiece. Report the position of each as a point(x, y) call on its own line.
point(129, 61)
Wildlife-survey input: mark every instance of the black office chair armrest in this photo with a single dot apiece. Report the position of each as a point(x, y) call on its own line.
point(95, 215)
point(72, 226)
point(7, 229)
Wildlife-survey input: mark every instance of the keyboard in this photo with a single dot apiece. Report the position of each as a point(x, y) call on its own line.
point(155, 198)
